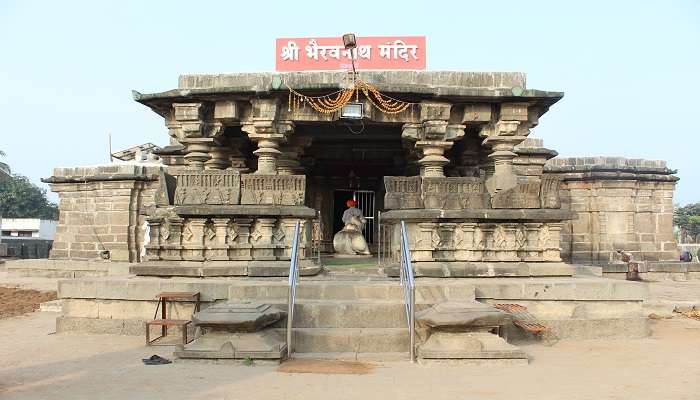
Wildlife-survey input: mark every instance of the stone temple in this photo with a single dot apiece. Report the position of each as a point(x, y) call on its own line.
point(492, 215)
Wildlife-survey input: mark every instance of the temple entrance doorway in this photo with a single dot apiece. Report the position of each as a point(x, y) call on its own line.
point(365, 202)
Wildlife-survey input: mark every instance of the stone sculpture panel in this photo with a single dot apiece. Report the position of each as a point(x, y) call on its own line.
point(402, 192)
point(454, 193)
point(210, 187)
point(285, 190)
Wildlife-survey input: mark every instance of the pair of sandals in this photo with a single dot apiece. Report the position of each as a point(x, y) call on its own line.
point(156, 360)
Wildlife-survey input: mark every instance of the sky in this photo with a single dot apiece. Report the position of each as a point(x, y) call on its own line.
point(630, 70)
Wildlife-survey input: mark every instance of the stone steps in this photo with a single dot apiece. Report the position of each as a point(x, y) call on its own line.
point(349, 314)
point(351, 340)
point(351, 291)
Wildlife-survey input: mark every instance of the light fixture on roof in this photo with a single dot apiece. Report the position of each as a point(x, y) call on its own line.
point(352, 110)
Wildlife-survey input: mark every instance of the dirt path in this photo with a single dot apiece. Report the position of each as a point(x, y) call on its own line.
point(15, 301)
point(36, 364)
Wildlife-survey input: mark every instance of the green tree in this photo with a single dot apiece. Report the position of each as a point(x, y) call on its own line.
point(19, 198)
point(687, 218)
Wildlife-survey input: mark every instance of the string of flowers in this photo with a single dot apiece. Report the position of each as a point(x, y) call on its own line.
point(333, 102)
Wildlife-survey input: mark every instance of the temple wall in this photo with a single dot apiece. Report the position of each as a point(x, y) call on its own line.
point(102, 209)
point(619, 203)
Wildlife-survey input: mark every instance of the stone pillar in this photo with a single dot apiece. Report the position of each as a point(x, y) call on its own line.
point(237, 160)
point(507, 250)
point(219, 249)
point(263, 247)
point(289, 162)
point(532, 231)
point(153, 247)
point(446, 248)
point(269, 133)
point(501, 137)
point(239, 239)
point(218, 156)
point(552, 252)
point(428, 239)
point(193, 235)
point(191, 126)
point(489, 242)
point(433, 136)
point(464, 242)
point(172, 242)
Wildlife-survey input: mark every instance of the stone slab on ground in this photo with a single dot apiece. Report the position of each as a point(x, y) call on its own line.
point(238, 316)
point(267, 344)
point(468, 345)
point(452, 315)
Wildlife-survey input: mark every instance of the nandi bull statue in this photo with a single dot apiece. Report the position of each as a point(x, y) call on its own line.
point(349, 240)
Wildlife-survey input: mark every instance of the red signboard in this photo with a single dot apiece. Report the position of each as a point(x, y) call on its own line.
point(376, 52)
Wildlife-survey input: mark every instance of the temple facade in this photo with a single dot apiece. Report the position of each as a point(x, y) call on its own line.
point(245, 164)
point(448, 154)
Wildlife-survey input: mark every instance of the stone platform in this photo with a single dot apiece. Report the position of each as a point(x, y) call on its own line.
point(47, 268)
point(361, 315)
point(656, 271)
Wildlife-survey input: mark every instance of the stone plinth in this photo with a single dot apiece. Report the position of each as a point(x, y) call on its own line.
point(461, 331)
point(462, 242)
point(238, 317)
point(235, 330)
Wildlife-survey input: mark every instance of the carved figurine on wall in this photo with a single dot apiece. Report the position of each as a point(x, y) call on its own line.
point(350, 240)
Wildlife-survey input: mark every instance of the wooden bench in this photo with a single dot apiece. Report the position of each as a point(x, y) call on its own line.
point(164, 322)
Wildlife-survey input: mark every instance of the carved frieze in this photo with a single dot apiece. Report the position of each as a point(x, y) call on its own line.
point(287, 190)
point(402, 192)
point(453, 193)
point(207, 187)
point(524, 195)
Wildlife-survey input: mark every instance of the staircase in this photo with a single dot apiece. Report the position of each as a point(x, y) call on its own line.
point(354, 318)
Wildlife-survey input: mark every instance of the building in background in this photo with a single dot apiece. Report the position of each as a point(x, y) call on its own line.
point(146, 152)
point(28, 228)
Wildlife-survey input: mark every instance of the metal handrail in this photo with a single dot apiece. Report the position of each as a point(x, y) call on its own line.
point(379, 238)
point(292, 287)
point(409, 289)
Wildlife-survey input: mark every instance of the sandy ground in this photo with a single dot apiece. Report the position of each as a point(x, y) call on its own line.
point(37, 364)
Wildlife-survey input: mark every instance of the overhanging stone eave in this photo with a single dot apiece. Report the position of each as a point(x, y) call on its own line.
point(157, 101)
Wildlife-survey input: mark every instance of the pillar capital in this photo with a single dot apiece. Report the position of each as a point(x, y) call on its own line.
point(269, 135)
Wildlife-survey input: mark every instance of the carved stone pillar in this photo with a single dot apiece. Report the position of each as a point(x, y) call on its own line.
point(219, 154)
point(219, 249)
point(506, 250)
point(552, 251)
point(171, 242)
point(261, 238)
point(192, 126)
point(428, 239)
point(289, 162)
point(433, 136)
point(239, 239)
point(532, 231)
point(501, 137)
point(237, 160)
point(269, 133)
point(153, 247)
point(464, 242)
point(489, 242)
point(446, 248)
point(193, 239)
